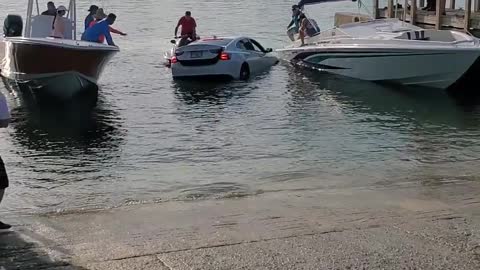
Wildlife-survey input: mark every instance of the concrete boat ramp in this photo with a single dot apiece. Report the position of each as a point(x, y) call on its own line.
point(397, 227)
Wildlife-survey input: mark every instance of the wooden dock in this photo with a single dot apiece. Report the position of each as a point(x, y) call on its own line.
point(444, 17)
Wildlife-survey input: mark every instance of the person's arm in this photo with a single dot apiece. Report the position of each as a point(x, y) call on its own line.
point(291, 23)
point(178, 25)
point(88, 21)
point(194, 28)
point(115, 31)
point(108, 36)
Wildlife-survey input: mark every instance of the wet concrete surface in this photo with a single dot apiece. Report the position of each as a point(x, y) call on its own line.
point(428, 227)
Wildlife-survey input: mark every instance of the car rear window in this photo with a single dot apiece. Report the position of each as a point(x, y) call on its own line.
point(218, 41)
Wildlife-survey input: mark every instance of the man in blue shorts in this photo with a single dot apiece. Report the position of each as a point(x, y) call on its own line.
point(99, 29)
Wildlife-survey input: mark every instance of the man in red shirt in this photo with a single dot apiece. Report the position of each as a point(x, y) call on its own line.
point(189, 27)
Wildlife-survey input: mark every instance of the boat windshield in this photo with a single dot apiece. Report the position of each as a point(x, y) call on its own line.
point(40, 26)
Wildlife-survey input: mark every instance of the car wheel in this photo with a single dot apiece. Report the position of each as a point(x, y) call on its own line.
point(245, 72)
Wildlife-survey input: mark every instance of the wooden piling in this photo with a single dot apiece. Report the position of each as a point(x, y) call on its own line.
point(390, 8)
point(413, 12)
point(405, 11)
point(438, 15)
point(375, 9)
point(468, 9)
point(452, 4)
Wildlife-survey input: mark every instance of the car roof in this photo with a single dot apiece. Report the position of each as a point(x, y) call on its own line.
point(216, 38)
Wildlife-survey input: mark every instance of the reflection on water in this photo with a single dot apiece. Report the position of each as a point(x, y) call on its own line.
point(153, 139)
point(433, 135)
point(60, 148)
point(426, 106)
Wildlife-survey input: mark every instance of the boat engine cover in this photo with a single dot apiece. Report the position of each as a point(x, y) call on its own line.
point(13, 26)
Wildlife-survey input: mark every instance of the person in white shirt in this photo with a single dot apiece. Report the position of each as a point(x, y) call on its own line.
point(59, 23)
point(4, 121)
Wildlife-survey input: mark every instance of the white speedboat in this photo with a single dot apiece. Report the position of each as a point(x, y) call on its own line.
point(57, 67)
point(391, 51)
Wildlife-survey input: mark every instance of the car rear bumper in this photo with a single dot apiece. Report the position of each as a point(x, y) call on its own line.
point(220, 69)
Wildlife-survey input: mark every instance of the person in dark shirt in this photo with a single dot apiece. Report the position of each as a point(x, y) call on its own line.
point(51, 9)
point(4, 121)
point(294, 25)
point(189, 28)
point(91, 16)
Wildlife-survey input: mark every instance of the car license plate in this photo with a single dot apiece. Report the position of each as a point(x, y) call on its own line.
point(196, 54)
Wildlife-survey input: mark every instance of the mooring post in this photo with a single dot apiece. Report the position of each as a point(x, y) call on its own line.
point(452, 4)
point(468, 10)
point(390, 9)
point(413, 12)
point(438, 16)
point(375, 9)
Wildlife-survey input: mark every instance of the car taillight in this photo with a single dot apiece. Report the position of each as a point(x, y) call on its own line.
point(224, 56)
point(173, 60)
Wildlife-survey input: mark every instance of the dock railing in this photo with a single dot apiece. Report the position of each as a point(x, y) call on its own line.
point(414, 14)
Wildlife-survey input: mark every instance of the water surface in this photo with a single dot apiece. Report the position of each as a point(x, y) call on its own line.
point(151, 139)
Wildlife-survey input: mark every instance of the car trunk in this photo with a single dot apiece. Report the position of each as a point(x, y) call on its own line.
point(198, 54)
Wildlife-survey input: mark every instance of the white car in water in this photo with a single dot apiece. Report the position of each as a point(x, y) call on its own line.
point(230, 57)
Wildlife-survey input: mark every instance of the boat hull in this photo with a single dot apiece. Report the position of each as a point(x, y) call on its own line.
point(61, 89)
point(434, 68)
point(60, 69)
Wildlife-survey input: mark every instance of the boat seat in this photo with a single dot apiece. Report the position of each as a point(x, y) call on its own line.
point(42, 27)
point(417, 35)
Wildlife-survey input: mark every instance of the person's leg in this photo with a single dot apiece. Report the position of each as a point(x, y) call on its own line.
point(3, 186)
point(3, 226)
point(302, 36)
point(183, 41)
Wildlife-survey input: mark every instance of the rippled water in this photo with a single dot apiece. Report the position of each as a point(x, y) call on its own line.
point(151, 139)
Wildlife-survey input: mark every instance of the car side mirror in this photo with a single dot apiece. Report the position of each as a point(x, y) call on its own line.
point(173, 41)
point(269, 50)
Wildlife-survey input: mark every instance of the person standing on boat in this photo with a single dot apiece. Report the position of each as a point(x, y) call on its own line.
point(91, 16)
point(4, 121)
point(294, 25)
point(308, 27)
point(51, 9)
point(59, 23)
point(100, 15)
point(189, 28)
point(93, 34)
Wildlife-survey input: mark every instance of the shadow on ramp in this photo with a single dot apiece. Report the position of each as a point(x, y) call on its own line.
point(16, 253)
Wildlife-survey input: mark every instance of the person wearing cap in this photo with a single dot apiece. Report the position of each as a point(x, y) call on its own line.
point(100, 15)
point(294, 25)
point(59, 23)
point(4, 121)
point(92, 34)
point(90, 17)
point(51, 9)
point(189, 28)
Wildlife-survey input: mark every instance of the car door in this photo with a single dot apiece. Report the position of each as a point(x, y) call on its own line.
point(266, 60)
point(258, 55)
point(252, 57)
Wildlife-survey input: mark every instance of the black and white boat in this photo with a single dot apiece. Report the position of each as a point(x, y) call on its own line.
point(390, 51)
